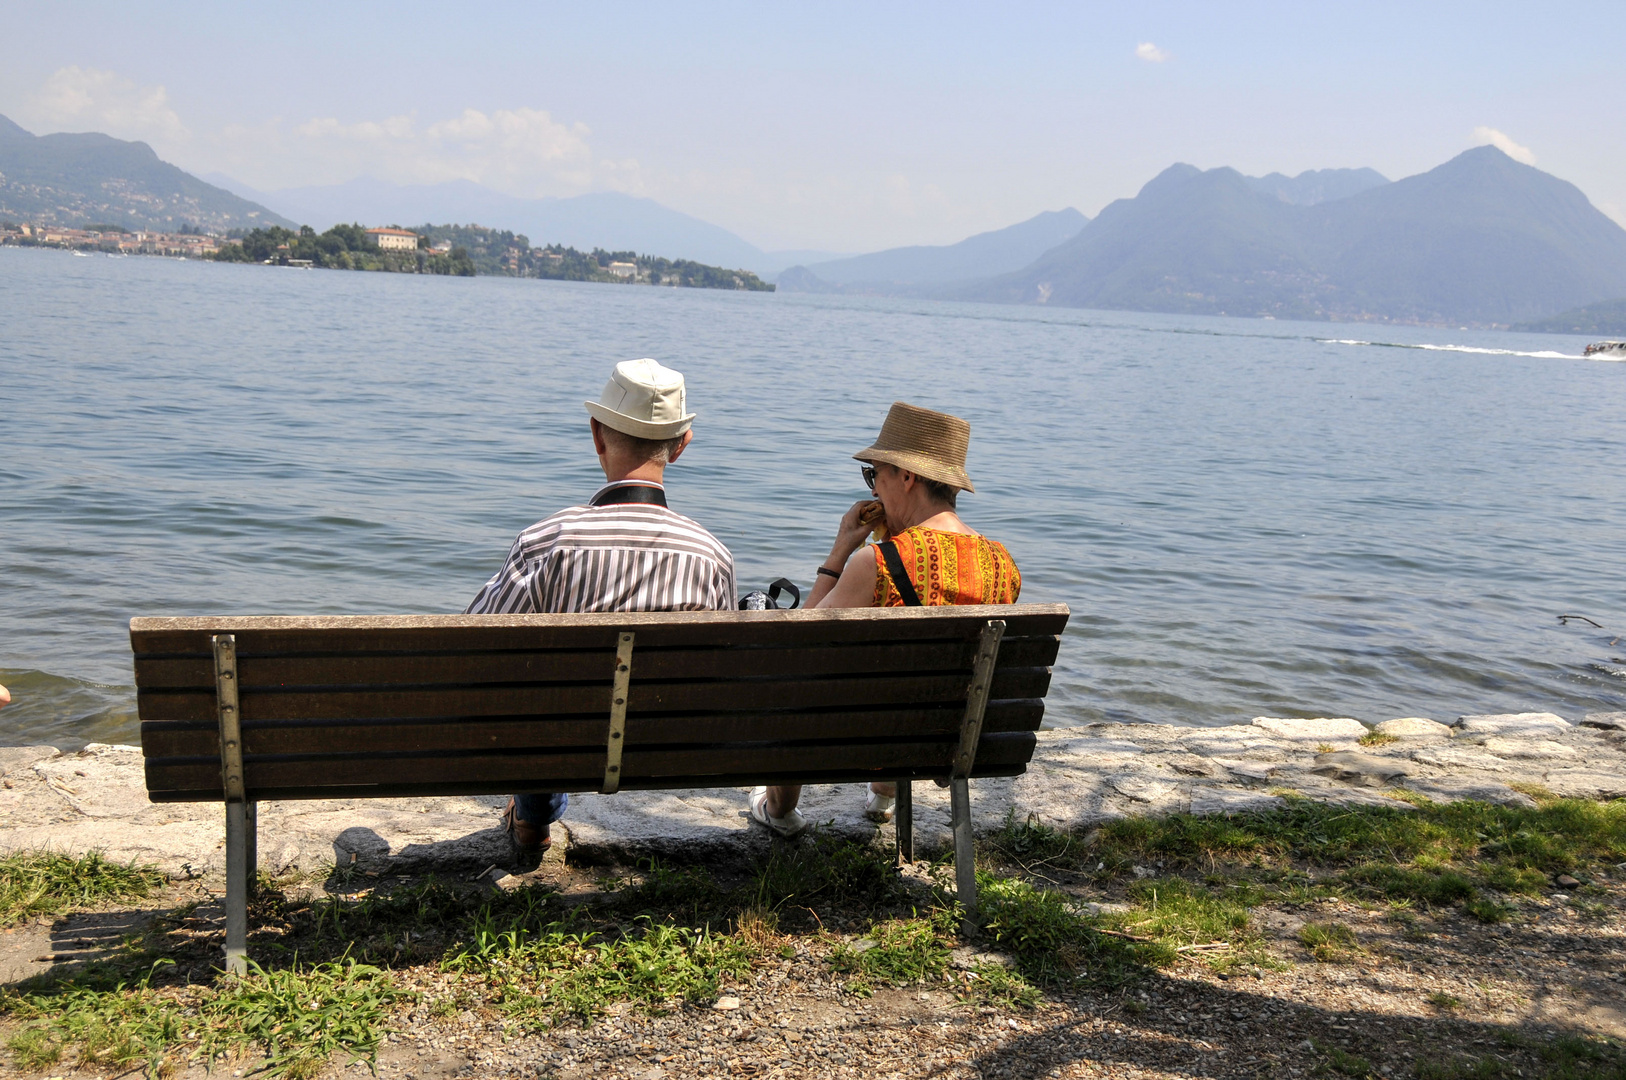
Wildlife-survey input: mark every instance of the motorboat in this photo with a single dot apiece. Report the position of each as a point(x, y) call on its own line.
point(1606, 350)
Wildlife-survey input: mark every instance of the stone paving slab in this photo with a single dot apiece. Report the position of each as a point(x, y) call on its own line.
point(95, 798)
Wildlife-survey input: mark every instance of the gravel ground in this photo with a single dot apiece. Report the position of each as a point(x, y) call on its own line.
point(1420, 988)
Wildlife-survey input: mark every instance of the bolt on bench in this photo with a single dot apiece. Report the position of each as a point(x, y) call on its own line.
point(239, 710)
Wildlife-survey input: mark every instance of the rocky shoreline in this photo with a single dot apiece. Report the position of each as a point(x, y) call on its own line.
point(94, 799)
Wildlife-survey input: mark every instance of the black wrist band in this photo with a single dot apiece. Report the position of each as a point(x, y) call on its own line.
point(827, 572)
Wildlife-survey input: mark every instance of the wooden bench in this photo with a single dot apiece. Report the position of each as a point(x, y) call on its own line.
point(239, 710)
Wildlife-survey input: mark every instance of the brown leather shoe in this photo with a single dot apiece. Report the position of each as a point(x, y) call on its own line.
point(526, 836)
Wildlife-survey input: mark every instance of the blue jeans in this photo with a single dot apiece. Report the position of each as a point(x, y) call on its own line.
point(541, 808)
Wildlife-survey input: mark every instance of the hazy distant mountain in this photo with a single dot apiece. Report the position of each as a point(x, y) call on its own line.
point(1317, 185)
point(1607, 317)
point(1481, 239)
point(985, 254)
point(75, 180)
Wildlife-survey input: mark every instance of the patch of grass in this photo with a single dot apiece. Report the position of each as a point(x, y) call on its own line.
point(996, 985)
point(1052, 941)
point(121, 1029)
point(302, 1018)
point(1341, 1061)
point(1427, 884)
point(1187, 921)
point(1564, 1057)
point(1377, 738)
point(1330, 943)
point(545, 977)
point(34, 883)
point(1441, 1000)
point(830, 870)
point(1553, 837)
point(898, 952)
point(1487, 910)
point(1435, 855)
point(297, 1018)
point(1324, 748)
point(1031, 844)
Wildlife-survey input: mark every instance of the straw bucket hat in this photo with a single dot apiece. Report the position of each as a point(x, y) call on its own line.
point(643, 399)
point(926, 443)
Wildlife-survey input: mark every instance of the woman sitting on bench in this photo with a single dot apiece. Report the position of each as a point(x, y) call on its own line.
point(925, 555)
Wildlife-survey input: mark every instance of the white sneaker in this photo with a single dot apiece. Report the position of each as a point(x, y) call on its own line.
point(878, 807)
point(792, 824)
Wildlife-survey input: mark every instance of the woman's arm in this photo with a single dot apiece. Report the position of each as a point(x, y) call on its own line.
point(857, 585)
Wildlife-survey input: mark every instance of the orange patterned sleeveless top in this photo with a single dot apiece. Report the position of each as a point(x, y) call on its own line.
point(949, 568)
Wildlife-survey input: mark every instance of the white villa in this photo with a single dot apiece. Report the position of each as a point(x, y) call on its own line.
point(394, 239)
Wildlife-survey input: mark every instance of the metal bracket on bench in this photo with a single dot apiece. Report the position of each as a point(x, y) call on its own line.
point(618, 715)
point(241, 820)
point(231, 728)
point(976, 703)
point(976, 699)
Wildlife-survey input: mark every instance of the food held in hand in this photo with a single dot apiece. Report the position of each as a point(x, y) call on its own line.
point(875, 514)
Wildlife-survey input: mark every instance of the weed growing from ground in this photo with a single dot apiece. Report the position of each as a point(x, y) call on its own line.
point(1377, 738)
point(34, 883)
point(1330, 943)
point(898, 952)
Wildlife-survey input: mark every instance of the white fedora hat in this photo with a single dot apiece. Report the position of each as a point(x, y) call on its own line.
point(643, 399)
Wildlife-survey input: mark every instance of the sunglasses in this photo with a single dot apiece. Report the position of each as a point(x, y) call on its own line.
point(868, 473)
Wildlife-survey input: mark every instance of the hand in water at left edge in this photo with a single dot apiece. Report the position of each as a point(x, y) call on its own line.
point(5, 697)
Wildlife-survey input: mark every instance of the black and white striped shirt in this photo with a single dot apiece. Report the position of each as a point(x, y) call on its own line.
point(615, 557)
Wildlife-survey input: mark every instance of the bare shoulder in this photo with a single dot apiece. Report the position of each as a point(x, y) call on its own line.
point(856, 586)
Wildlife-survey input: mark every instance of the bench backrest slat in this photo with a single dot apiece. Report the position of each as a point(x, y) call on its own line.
point(415, 704)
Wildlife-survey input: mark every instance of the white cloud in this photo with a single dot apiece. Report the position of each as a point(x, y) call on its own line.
point(1506, 145)
point(87, 99)
point(520, 151)
point(1151, 53)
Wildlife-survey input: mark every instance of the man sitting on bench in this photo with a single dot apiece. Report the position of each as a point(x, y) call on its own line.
point(623, 551)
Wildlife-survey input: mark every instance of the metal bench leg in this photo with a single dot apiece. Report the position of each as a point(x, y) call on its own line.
point(903, 817)
point(965, 869)
point(251, 853)
point(238, 845)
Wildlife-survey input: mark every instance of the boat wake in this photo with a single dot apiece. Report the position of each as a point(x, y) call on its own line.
point(1544, 354)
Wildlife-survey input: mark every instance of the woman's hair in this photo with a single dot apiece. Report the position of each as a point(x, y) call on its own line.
point(943, 493)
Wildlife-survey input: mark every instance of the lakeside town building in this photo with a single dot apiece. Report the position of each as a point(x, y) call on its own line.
point(189, 245)
point(394, 239)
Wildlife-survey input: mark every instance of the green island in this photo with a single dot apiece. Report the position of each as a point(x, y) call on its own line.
point(467, 250)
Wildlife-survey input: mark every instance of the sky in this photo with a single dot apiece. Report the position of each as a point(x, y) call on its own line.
point(830, 126)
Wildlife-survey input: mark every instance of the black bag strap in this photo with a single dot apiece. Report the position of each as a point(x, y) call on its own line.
point(900, 576)
point(784, 585)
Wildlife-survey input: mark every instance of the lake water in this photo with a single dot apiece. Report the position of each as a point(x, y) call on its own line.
point(1247, 517)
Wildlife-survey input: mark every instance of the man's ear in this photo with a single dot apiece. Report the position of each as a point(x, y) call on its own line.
point(688, 437)
point(907, 479)
point(599, 446)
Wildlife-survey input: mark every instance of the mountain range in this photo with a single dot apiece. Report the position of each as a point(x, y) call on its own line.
point(67, 179)
point(1481, 239)
point(978, 256)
